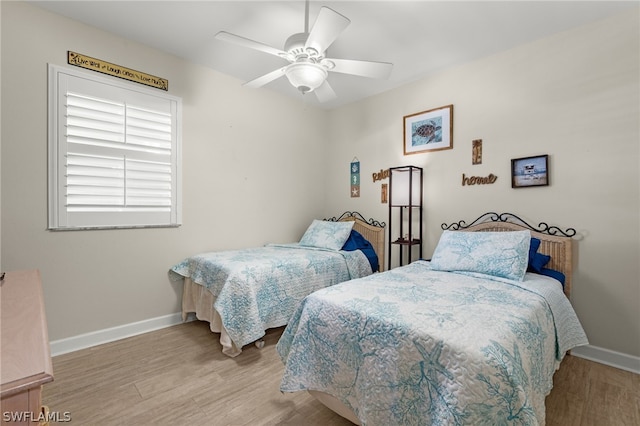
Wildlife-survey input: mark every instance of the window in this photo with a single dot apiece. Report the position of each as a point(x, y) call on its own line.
point(114, 153)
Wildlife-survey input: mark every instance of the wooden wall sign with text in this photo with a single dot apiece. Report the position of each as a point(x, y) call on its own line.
point(114, 70)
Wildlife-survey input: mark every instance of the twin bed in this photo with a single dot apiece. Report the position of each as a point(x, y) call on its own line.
point(472, 336)
point(242, 293)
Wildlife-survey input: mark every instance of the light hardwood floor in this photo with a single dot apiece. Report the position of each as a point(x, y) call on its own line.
point(178, 376)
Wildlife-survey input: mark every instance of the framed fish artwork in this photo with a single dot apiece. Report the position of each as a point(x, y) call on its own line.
point(430, 130)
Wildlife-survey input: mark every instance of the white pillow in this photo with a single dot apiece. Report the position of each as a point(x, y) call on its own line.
point(325, 234)
point(501, 254)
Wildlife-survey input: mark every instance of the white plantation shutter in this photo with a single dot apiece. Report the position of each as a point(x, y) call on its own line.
point(114, 153)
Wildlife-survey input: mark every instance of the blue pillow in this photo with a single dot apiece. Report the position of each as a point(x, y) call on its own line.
point(533, 247)
point(357, 242)
point(501, 254)
point(536, 260)
point(553, 274)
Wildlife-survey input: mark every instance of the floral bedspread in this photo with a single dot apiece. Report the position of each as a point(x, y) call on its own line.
point(414, 346)
point(260, 288)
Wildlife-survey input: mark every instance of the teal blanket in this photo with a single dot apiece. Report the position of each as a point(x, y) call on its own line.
point(260, 288)
point(414, 346)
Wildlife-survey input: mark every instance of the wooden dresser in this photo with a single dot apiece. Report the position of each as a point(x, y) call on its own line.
point(25, 359)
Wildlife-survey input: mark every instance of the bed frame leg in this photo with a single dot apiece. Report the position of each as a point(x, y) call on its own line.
point(260, 344)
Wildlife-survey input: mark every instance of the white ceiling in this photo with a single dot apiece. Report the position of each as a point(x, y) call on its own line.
point(418, 37)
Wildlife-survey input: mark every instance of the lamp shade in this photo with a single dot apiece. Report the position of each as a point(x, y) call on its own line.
point(406, 186)
point(306, 76)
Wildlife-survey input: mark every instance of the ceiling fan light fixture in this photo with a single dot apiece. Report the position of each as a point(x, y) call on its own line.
point(306, 76)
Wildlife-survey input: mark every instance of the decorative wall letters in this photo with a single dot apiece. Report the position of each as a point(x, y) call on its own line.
point(478, 180)
point(384, 174)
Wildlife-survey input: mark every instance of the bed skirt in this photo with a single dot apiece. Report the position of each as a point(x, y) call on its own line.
point(199, 300)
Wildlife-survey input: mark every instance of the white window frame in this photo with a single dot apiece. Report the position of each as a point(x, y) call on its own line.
point(75, 206)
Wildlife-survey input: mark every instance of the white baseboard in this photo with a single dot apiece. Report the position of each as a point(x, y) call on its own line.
point(608, 357)
point(87, 340)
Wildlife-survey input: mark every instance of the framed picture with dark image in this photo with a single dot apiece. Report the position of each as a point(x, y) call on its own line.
point(530, 171)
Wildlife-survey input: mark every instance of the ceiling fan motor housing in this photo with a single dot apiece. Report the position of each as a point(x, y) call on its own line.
point(295, 46)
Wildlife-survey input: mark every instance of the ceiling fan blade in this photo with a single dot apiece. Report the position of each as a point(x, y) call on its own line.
point(267, 78)
point(328, 26)
point(362, 68)
point(325, 92)
point(242, 41)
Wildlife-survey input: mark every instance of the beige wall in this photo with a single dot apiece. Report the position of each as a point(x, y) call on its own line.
point(573, 96)
point(1, 268)
point(259, 166)
point(253, 174)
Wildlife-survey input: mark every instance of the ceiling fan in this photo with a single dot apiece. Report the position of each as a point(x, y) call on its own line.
point(308, 66)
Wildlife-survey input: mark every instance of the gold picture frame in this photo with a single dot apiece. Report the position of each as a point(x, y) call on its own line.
point(430, 130)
